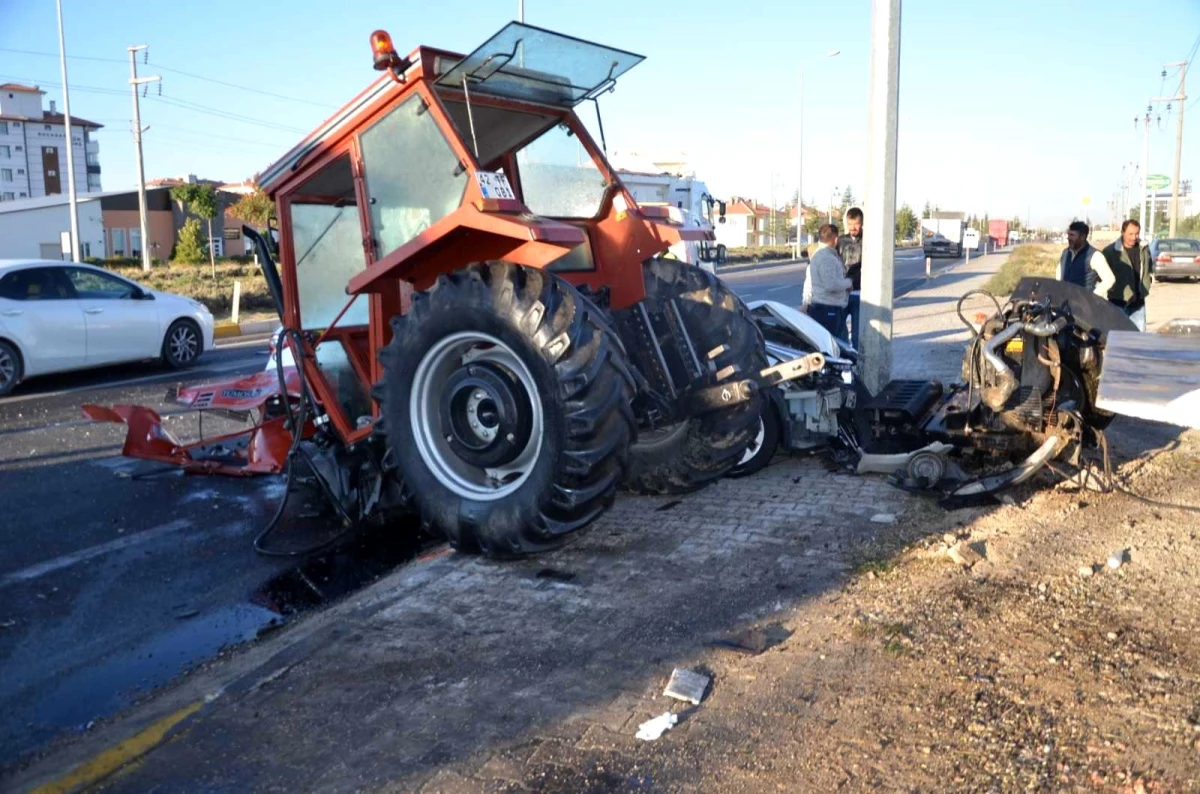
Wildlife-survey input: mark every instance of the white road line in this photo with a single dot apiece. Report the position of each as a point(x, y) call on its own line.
point(784, 287)
point(74, 558)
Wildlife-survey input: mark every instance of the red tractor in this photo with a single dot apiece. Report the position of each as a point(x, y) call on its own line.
point(487, 328)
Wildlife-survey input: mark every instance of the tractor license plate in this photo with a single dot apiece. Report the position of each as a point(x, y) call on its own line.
point(494, 185)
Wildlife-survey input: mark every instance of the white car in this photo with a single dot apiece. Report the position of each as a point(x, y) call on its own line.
point(60, 316)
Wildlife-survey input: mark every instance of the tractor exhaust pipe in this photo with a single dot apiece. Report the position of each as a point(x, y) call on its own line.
point(996, 396)
point(270, 271)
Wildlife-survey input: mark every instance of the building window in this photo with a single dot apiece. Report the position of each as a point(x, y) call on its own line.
point(5, 151)
point(20, 171)
point(118, 242)
point(47, 126)
point(22, 195)
point(9, 197)
point(87, 248)
point(4, 127)
point(6, 174)
point(135, 242)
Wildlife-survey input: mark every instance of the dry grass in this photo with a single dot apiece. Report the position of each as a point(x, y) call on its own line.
point(196, 282)
point(1029, 259)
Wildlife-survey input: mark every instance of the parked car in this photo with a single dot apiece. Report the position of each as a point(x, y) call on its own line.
point(61, 316)
point(1175, 258)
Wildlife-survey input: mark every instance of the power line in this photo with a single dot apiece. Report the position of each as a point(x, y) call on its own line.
point(53, 84)
point(55, 55)
point(184, 104)
point(179, 72)
point(242, 87)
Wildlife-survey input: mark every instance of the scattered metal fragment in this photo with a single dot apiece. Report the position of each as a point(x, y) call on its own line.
point(687, 685)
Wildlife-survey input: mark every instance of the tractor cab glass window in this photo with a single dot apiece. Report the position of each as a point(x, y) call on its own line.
point(559, 179)
point(540, 66)
point(413, 176)
point(328, 248)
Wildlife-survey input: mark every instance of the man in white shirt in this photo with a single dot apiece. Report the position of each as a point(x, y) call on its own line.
point(826, 288)
point(1084, 265)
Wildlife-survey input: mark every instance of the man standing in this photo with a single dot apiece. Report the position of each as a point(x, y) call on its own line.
point(849, 247)
point(1130, 264)
point(825, 284)
point(1082, 264)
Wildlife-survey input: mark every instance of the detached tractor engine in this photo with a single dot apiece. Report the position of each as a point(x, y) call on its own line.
point(1028, 396)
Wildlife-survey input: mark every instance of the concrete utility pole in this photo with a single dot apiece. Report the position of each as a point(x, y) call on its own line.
point(62, 55)
point(878, 261)
point(1145, 165)
point(1180, 97)
point(521, 11)
point(138, 129)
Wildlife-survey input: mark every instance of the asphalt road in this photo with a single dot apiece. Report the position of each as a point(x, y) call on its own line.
point(783, 283)
point(112, 584)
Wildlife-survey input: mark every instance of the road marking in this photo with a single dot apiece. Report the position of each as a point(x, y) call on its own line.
point(74, 558)
point(100, 766)
point(785, 287)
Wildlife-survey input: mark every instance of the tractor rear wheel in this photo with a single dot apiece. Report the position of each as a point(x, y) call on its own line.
point(505, 403)
point(690, 454)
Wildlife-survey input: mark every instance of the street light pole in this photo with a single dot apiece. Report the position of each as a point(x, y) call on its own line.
point(1145, 165)
point(71, 201)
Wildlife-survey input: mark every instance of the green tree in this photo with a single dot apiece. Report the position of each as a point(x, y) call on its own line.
point(847, 197)
point(199, 200)
point(906, 222)
point(928, 211)
point(190, 248)
point(253, 208)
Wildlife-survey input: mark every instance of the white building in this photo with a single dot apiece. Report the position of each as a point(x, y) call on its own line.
point(33, 228)
point(33, 147)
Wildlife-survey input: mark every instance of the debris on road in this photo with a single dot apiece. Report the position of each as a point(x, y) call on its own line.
point(883, 518)
point(654, 728)
point(687, 685)
point(1119, 558)
point(1086, 571)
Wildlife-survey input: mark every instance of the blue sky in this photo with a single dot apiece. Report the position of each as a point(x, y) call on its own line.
point(1010, 108)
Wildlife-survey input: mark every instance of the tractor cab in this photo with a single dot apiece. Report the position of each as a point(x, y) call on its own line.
point(443, 161)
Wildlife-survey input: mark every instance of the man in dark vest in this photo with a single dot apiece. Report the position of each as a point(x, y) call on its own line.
point(1082, 264)
point(1131, 267)
point(849, 248)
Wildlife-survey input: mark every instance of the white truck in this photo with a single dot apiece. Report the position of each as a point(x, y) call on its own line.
point(942, 234)
point(691, 204)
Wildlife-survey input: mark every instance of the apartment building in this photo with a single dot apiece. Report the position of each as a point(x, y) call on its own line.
point(33, 147)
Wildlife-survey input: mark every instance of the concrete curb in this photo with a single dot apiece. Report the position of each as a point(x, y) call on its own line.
point(226, 330)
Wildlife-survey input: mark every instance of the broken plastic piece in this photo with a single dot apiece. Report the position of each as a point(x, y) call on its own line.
point(653, 728)
point(1118, 559)
point(687, 685)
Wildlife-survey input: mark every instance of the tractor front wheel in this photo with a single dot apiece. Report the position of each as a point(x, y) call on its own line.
point(505, 403)
point(694, 452)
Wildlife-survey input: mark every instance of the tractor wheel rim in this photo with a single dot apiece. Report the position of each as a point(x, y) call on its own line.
point(8, 368)
point(755, 445)
point(184, 344)
point(434, 440)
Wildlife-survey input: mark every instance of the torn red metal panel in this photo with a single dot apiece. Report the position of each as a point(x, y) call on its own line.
point(261, 449)
point(243, 394)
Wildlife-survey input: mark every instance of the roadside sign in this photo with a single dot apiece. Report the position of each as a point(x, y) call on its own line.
point(1157, 181)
